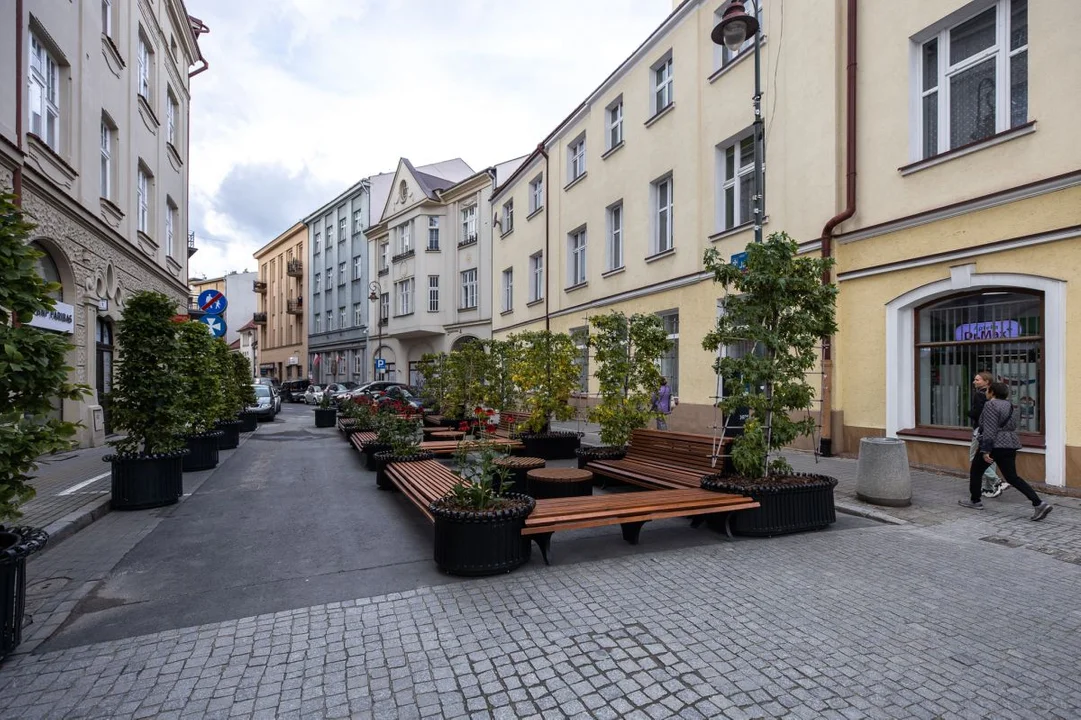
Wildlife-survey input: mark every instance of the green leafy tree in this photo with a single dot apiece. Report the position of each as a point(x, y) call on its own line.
point(547, 372)
point(33, 368)
point(779, 306)
point(627, 351)
point(147, 390)
point(200, 394)
point(242, 378)
point(232, 392)
point(501, 392)
point(433, 372)
point(467, 369)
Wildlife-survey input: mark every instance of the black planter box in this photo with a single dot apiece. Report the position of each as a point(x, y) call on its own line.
point(248, 421)
point(382, 459)
point(230, 434)
point(370, 450)
point(140, 482)
point(589, 453)
point(202, 451)
point(550, 445)
point(805, 504)
point(481, 543)
point(16, 544)
point(326, 417)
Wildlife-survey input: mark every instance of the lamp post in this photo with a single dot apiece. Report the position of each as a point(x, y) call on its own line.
point(732, 31)
point(374, 295)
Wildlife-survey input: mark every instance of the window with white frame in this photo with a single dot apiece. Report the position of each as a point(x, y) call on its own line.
point(576, 159)
point(146, 68)
point(405, 296)
point(358, 363)
point(536, 277)
point(108, 143)
point(44, 94)
point(358, 267)
point(576, 257)
point(469, 224)
point(330, 320)
point(358, 315)
point(405, 237)
point(341, 273)
point(433, 293)
point(508, 216)
point(469, 289)
point(143, 188)
point(662, 84)
point(316, 243)
point(722, 55)
point(171, 225)
point(614, 123)
point(343, 230)
point(384, 306)
point(341, 318)
point(662, 191)
point(318, 287)
point(318, 323)
point(736, 175)
point(358, 222)
point(536, 194)
point(433, 232)
point(670, 360)
point(384, 255)
point(107, 18)
point(614, 246)
point(328, 226)
point(508, 289)
point(973, 77)
point(171, 117)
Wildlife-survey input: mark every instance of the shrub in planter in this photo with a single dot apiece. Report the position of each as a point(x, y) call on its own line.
point(466, 372)
point(146, 406)
point(778, 309)
point(233, 397)
point(547, 371)
point(401, 439)
point(201, 397)
point(434, 381)
point(326, 415)
point(242, 377)
point(360, 414)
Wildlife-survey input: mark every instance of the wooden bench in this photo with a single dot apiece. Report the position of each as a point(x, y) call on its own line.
point(508, 422)
point(422, 482)
point(659, 459)
point(360, 438)
point(433, 420)
point(629, 510)
point(449, 447)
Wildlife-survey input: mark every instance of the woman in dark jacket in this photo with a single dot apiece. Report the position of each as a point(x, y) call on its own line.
point(999, 444)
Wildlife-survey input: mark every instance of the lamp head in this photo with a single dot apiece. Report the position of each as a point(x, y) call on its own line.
point(735, 27)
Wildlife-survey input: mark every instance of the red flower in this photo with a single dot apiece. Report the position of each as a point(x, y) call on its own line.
point(492, 427)
point(491, 413)
point(463, 426)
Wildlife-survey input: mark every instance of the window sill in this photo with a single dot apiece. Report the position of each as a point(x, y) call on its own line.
point(531, 303)
point(403, 315)
point(112, 214)
point(507, 312)
point(467, 243)
point(148, 115)
point(964, 435)
point(661, 255)
point(174, 155)
point(612, 150)
point(432, 250)
point(575, 181)
point(146, 243)
point(724, 69)
point(1019, 131)
point(503, 235)
point(403, 256)
point(62, 172)
point(383, 272)
point(743, 227)
point(535, 213)
point(112, 54)
point(660, 113)
point(577, 286)
point(614, 271)
point(467, 309)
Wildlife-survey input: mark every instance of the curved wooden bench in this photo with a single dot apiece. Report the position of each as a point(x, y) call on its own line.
point(422, 482)
point(449, 447)
point(659, 459)
point(358, 439)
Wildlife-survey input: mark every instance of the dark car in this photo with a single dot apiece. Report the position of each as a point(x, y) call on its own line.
point(399, 393)
point(293, 390)
point(334, 389)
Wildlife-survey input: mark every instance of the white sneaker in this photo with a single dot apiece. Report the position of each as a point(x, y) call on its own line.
point(995, 491)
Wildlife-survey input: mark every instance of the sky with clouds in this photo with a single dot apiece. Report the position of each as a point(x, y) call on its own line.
point(305, 97)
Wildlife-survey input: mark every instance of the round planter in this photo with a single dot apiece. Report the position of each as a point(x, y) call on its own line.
point(476, 543)
point(325, 417)
point(202, 451)
point(553, 445)
point(16, 544)
point(370, 450)
point(382, 459)
point(589, 453)
point(793, 503)
point(230, 434)
point(146, 481)
point(248, 421)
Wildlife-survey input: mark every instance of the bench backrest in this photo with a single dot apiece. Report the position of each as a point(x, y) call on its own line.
point(685, 450)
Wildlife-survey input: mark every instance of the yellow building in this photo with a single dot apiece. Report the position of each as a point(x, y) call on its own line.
point(282, 341)
point(949, 197)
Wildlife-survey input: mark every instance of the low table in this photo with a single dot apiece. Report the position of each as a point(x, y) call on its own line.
point(544, 483)
point(519, 466)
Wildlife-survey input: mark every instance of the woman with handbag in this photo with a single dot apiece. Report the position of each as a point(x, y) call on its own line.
point(999, 445)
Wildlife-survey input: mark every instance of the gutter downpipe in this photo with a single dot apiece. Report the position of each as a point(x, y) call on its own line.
point(826, 440)
point(20, 88)
point(547, 237)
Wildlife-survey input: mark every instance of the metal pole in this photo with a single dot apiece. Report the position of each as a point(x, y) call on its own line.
point(759, 181)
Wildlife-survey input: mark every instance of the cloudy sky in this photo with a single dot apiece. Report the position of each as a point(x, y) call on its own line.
point(305, 97)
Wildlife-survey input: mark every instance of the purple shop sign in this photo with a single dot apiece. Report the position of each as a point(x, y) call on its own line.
point(993, 330)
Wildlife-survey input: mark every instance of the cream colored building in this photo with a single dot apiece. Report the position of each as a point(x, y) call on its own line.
point(281, 286)
point(94, 135)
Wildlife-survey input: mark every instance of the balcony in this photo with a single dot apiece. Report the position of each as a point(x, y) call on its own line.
point(191, 244)
point(468, 240)
point(294, 268)
point(259, 286)
point(403, 255)
point(259, 318)
point(294, 306)
point(193, 307)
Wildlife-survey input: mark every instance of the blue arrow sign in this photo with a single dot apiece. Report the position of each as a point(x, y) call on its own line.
point(213, 302)
point(215, 323)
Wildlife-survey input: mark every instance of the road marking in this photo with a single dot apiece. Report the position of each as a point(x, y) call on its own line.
point(76, 488)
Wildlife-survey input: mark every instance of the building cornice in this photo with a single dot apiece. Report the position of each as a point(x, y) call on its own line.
point(298, 228)
point(664, 286)
point(354, 189)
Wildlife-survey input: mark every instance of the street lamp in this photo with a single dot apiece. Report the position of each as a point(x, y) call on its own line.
point(732, 31)
point(374, 295)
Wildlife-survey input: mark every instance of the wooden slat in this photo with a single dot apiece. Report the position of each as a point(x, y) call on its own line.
point(642, 517)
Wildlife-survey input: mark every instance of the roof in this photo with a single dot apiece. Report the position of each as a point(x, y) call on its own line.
point(249, 326)
point(430, 184)
point(235, 345)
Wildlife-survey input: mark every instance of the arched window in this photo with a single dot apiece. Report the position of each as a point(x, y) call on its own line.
point(1000, 331)
point(48, 270)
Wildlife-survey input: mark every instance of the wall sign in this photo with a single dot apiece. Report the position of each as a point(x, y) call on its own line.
point(61, 318)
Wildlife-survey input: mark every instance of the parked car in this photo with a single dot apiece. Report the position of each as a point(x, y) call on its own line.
point(277, 398)
point(263, 408)
point(269, 381)
point(379, 387)
point(335, 389)
point(312, 394)
point(293, 390)
point(399, 393)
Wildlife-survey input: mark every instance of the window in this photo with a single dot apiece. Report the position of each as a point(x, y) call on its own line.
point(330, 320)
point(316, 243)
point(384, 255)
point(358, 316)
point(508, 290)
point(143, 188)
point(318, 323)
point(171, 110)
point(722, 55)
point(433, 233)
point(108, 142)
point(318, 282)
point(670, 360)
point(580, 336)
point(107, 18)
point(146, 67)
point(328, 226)
point(405, 241)
point(171, 224)
point(614, 249)
point(433, 293)
point(508, 216)
point(341, 317)
point(384, 307)
point(469, 224)
point(358, 267)
point(536, 277)
point(662, 84)
point(44, 87)
point(405, 296)
point(341, 273)
point(536, 194)
point(576, 159)
point(662, 215)
point(973, 78)
point(358, 363)
point(576, 257)
point(614, 123)
point(736, 174)
point(1000, 332)
point(358, 222)
point(343, 230)
point(469, 289)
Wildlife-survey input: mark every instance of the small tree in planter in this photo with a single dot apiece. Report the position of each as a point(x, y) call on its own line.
point(232, 397)
point(547, 372)
point(780, 306)
point(200, 394)
point(467, 370)
point(33, 372)
point(432, 368)
point(242, 379)
point(627, 351)
point(501, 392)
point(359, 413)
point(147, 467)
point(401, 435)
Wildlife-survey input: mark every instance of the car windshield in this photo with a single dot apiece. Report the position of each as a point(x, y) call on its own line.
point(349, 385)
point(262, 391)
point(404, 393)
point(315, 388)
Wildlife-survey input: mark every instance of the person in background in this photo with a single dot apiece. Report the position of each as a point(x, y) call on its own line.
point(999, 444)
point(662, 403)
point(992, 486)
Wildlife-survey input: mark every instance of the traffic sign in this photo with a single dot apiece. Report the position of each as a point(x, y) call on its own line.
point(739, 260)
point(213, 302)
point(380, 364)
point(215, 323)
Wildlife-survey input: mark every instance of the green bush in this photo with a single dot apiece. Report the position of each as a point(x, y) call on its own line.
point(201, 390)
point(546, 371)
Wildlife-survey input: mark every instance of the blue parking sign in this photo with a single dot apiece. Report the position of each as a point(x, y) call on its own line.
point(380, 364)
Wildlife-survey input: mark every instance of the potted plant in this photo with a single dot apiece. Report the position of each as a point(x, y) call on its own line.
point(33, 372)
point(200, 395)
point(402, 435)
point(242, 378)
point(777, 308)
point(432, 369)
point(147, 466)
point(326, 415)
point(627, 351)
point(233, 397)
point(478, 525)
point(358, 415)
point(545, 369)
point(466, 371)
point(384, 424)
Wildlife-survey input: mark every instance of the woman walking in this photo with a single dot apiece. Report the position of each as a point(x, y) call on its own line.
point(999, 445)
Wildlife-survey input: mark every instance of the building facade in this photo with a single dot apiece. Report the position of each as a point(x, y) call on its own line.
point(237, 287)
point(94, 141)
point(248, 345)
point(282, 286)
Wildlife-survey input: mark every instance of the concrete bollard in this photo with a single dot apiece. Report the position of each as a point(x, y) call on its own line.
point(882, 476)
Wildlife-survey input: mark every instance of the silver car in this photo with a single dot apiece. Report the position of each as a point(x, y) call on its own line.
point(313, 394)
point(264, 407)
